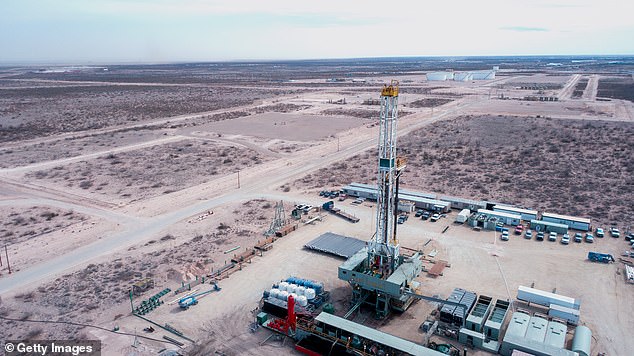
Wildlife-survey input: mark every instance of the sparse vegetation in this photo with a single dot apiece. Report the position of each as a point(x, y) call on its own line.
point(546, 164)
point(144, 172)
point(20, 224)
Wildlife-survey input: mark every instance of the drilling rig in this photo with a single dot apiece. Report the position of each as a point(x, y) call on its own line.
point(378, 274)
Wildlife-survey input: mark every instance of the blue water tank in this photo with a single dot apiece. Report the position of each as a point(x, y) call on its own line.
point(318, 287)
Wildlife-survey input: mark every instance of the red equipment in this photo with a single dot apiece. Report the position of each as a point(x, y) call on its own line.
point(288, 325)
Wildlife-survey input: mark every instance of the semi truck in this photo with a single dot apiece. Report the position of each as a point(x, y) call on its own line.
point(600, 257)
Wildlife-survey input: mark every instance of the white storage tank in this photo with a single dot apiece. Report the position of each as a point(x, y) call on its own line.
point(294, 295)
point(302, 301)
point(462, 76)
point(283, 286)
point(283, 295)
point(310, 293)
point(292, 288)
point(301, 290)
point(436, 76)
point(483, 75)
point(273, 293)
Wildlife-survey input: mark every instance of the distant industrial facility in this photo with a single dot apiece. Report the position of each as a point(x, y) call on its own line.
point(462, 76)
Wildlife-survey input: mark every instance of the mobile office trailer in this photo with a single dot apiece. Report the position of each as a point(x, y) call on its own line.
point(541, 297)
point(573, 222)
point(526, 214)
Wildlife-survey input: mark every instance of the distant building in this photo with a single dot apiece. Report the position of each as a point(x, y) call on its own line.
point(463, 76)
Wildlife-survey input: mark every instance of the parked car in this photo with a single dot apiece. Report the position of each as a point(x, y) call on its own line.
point(528, 234)
point(426, 215)
point(578, 237)
point(629, 236)
point(518, 229)
point(565, 239)
point(552, 236)
point(499, 226)
point(435, 217)
point(589, 238)
point(600, 232)
point(505, 236)
point(419, 213)
point(358, 200)
point(614, 231)
point(400, 220)
point(540, 236)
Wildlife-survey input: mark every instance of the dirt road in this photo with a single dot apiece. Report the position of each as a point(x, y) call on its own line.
point(253, 185)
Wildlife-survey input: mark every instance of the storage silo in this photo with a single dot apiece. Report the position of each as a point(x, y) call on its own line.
point(436, 76)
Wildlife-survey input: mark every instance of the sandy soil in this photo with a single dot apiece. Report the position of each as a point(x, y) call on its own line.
point(71, 147)
point(191, 248)
point(169, 237)
point(23, 223)
point(221, 321)
point(295, 127)
point(457, 157)
point(138, 174)
point(67, 108)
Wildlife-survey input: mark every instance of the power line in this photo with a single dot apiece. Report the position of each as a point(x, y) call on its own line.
point(84, 325)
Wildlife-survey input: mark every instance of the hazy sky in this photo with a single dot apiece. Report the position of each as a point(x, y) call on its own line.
point(104, 31)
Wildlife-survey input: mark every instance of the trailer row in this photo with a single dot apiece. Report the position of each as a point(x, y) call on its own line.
point(510, 215)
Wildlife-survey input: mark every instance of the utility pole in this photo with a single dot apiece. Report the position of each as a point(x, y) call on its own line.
point(338, 146)
point(6, 253)
point(238, 179)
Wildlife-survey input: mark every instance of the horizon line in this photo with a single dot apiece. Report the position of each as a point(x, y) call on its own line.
point(29, 63)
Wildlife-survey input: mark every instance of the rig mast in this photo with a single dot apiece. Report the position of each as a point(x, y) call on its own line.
point(383, 249)
point(378, 274)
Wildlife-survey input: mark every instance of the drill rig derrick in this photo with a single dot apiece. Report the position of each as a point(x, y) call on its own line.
point(383, 249)
point(378, 274)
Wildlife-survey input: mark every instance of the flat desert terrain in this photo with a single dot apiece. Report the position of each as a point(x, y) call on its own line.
point(166, 173)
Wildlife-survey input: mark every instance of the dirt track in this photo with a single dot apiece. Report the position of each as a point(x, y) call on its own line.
point(140, 221)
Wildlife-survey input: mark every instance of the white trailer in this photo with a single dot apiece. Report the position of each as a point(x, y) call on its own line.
point(567, 314)
point(573, 222)
point(536, 296)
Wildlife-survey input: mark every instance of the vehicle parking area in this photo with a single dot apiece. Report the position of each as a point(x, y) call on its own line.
point(502, 266)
